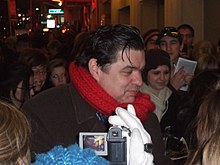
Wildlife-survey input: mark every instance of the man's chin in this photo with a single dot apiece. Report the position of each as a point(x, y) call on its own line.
point(128, 100)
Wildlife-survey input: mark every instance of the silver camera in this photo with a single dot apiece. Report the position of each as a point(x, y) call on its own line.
point(118, 140)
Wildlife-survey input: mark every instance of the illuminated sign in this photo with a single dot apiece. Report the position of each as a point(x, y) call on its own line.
point(56, 11)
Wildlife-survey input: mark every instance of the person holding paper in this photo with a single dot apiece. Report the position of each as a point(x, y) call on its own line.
point(170, 41)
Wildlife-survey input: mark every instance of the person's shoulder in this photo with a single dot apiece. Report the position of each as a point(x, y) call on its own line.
point(53, 91)
point(152, 120)
point(49, 96)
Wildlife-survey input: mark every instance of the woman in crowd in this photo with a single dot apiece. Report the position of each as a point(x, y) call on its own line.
point(156, 76)
point(37, 60)
point(58, 72)
point(207, 126)
point(16, 83)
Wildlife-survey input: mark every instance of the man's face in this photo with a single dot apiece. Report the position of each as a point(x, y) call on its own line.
point(172, 46)
point(151, 44)
point(40, 75)
point(187, 36)
point(123, 78)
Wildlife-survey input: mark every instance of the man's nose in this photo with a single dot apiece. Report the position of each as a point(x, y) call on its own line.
point(137, 79)
point(168, 47)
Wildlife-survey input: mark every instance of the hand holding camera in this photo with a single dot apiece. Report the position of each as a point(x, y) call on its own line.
point(140, 142)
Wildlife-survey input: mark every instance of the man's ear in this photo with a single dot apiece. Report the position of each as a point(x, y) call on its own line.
point(93, 68)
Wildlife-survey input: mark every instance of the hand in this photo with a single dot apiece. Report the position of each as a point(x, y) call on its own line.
point(177, 80)
point(139, 135)
point(188, 78)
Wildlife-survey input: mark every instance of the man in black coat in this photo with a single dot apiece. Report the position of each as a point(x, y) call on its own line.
point(105, 75)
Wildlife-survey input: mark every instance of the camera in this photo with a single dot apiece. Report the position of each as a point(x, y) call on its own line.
point(118, 140)
point(114, 144)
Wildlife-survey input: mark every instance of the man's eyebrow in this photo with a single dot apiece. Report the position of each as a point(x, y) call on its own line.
point(173, 40)
point(131, 67)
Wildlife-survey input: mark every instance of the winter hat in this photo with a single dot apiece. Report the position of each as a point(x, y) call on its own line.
point(170, 32)
point(155, 58)
point(149, 34)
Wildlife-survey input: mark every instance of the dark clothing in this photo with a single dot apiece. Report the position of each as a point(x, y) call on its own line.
point(170, 118)
point(59, 114)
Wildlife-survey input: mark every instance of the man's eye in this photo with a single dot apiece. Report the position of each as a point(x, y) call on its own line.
point(173, 42)
point(127, 72)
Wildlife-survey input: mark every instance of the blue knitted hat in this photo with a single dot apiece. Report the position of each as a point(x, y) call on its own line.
point(71, 155)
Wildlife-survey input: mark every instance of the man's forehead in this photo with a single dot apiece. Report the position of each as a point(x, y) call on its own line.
point(129, 58)
point(127, 54)
point(184, 30)
point(168, 39)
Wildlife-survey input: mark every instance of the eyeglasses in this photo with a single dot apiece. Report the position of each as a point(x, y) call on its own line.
point(41, 71)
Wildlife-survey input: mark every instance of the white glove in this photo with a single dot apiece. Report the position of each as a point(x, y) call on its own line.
point(139, 135)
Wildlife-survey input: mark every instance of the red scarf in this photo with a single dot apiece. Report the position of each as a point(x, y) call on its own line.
point(91, 91)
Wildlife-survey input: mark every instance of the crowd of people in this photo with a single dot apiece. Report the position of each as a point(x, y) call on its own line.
point(54, 87)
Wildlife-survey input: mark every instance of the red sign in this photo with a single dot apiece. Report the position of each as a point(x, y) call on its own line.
point(12, 8)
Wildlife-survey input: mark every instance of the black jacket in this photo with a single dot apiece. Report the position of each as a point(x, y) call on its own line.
point(57, 115)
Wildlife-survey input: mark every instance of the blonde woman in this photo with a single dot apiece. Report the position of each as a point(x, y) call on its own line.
point(14, 136)
point(211, 152)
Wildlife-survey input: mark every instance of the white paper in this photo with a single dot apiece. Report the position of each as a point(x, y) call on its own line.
point(189, 67)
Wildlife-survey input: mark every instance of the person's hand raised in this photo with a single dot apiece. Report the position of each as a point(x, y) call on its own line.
point(140, 138)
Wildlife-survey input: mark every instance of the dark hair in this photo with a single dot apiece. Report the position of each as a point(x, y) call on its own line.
point(11, 76)
point(170, 32)
point(187, 26)
point(54, 44)
point(33, 57)
point(153, 59)
point(104, 43)
point(201, 85)
point(79, 43)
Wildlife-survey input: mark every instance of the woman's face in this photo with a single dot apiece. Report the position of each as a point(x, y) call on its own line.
point(158, 78)
point(40, 75)
point(59, 76)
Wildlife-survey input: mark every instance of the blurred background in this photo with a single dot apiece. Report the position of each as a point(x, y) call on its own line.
point(23, 16)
